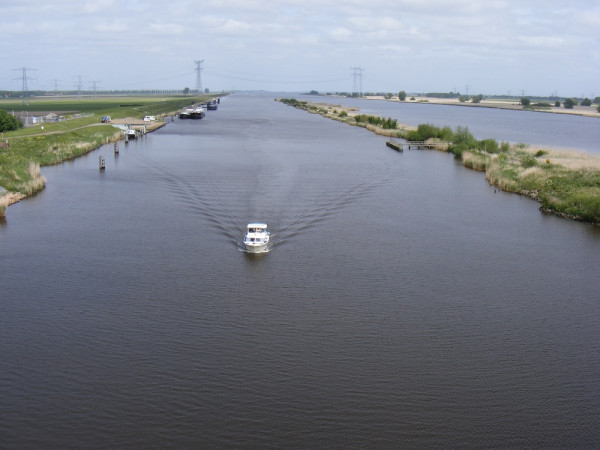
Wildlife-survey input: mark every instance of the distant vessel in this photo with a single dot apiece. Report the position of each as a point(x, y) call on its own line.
point(186, 114)
point(197, 113)
point(212, 105)
point(131, 134)
point(256, 238)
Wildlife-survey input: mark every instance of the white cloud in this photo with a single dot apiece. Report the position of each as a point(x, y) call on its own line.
point(308, 37)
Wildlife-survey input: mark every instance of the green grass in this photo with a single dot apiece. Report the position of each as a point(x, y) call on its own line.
point(34, 147)
point(565, 183)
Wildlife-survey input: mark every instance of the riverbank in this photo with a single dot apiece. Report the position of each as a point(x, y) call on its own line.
point(53, 143)
point(497, 103)
point(565, 183)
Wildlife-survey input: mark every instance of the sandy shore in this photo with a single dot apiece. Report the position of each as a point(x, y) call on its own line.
point(590, 111)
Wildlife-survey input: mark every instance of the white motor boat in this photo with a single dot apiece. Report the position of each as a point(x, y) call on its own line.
point(256, 239)
point(131, 134)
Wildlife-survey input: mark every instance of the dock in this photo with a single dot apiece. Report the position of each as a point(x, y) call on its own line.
point(399, 146)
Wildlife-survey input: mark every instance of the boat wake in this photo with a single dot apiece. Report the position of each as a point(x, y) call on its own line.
point(290, 199)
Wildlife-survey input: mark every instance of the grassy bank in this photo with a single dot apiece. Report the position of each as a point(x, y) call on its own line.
point(566, 183)
point(34, 147)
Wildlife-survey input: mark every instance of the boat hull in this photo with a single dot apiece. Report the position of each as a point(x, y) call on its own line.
point(251, 248)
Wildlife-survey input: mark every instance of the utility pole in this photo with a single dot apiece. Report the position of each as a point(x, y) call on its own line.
point(198, 75)
point(357, 77)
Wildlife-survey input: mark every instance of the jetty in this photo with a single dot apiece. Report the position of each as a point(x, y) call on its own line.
point(399, 146)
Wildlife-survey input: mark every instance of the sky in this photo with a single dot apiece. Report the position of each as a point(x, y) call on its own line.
point(490, 47)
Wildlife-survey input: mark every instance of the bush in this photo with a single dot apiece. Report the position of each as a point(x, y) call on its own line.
point(525, 102)
point(386, 124)
point(488, 145)
point(586, 102)
point(9, 122)
point(528, 161)
point(569, 103)
point(402, 96)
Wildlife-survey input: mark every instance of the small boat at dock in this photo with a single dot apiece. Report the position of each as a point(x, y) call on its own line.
point(197, 113)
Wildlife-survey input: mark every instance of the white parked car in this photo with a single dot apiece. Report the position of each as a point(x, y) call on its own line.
point(149, 118)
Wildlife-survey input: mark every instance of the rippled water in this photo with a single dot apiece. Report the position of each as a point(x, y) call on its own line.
point(404, 302)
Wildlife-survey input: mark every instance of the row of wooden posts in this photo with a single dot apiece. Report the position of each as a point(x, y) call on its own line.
point(102, 160)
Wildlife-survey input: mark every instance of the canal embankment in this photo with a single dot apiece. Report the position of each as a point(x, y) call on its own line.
point(565, 183)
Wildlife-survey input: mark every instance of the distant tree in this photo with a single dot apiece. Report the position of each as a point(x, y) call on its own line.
point(186, 91)
point(597, 100)
point(569, 103)
point(598, 108)
point(525, 102)
point(8, 122)
point(402, 96)
point(477, 98)
point(313, 92)
point(586, 102)
point(463, 98)
point(557, 104)
point(388, 95)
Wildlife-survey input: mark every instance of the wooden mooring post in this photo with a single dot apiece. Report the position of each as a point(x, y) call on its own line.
point(116, 148)
point(101, 162)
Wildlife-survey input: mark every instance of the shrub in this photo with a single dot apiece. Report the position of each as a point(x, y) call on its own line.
point(9, 122)
point(504, 147)
point(525, 102)
point(488, 145)
point(569, 103)
point(540, 153)
point(528, 161)
point(586, 102)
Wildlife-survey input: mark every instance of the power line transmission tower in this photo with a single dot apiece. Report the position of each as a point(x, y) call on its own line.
point(23, 77)
point(79, 87)
point(94, 87)
point(357, 77)
point(199, 75)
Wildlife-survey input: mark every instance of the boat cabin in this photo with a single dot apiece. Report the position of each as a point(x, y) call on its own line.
point(257, 227)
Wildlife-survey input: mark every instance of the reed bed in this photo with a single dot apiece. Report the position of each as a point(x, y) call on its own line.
point(566, 183)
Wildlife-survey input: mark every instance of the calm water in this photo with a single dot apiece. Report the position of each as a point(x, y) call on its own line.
point(405, 302)
point(530, 127)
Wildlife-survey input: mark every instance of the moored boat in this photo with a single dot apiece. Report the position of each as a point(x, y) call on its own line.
point(186, 114)
point(256, 239)
point(197, 113)
point(131, 134)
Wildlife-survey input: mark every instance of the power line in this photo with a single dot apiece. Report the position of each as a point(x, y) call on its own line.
point(24, 79)
point(198, 75)
point(79, 87)
point(357, 76)
point(94, 87)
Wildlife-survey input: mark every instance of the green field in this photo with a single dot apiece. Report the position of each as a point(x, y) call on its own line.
point(33, 147)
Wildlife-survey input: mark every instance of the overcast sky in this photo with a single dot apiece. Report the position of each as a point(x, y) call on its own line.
point(535, 47)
